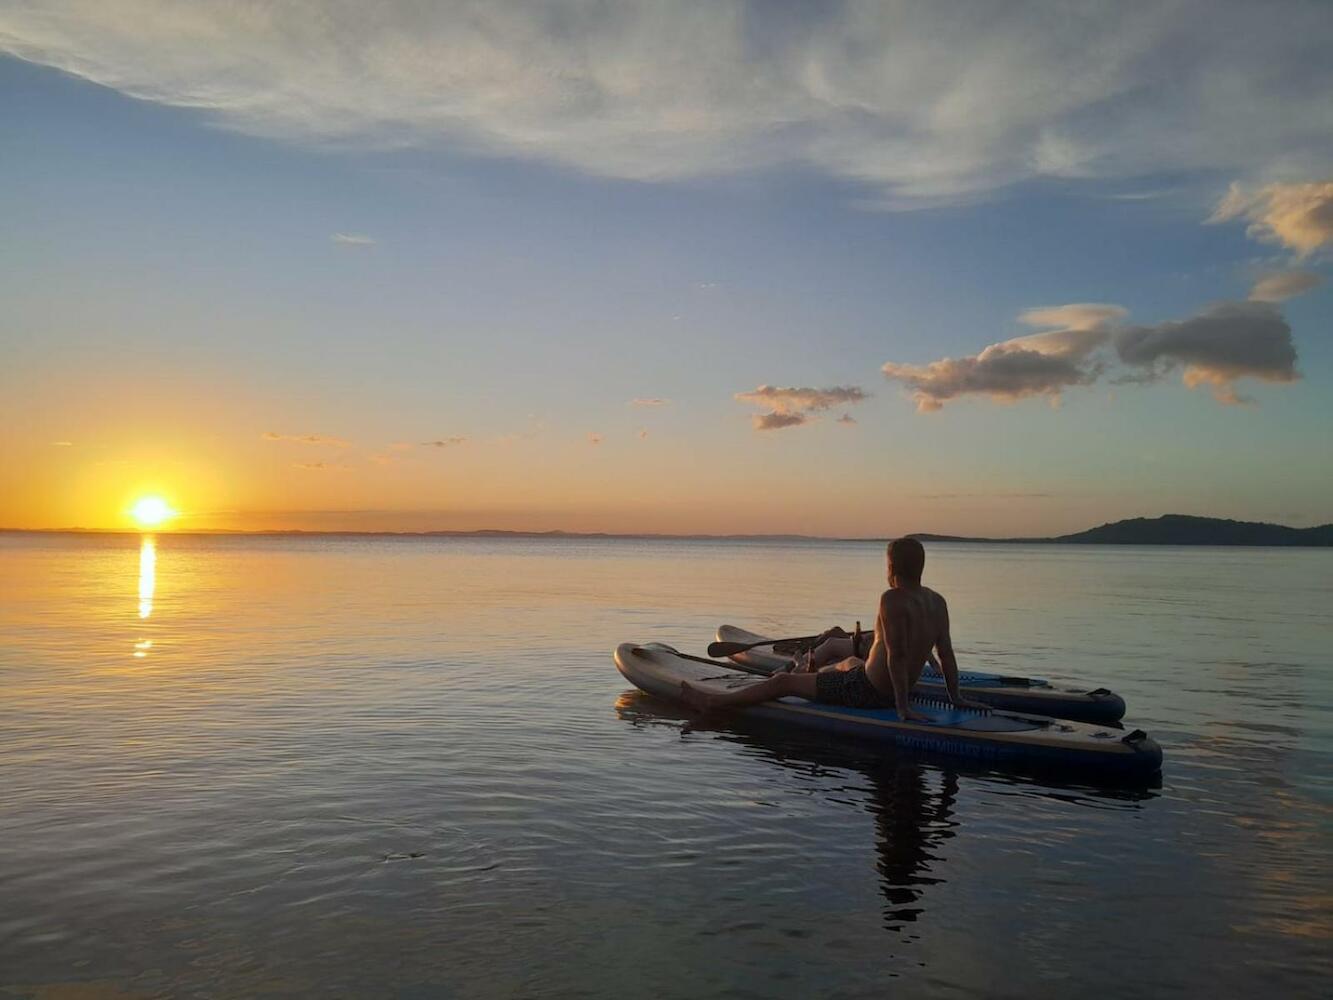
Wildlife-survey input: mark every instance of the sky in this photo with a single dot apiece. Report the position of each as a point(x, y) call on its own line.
point(848, 269)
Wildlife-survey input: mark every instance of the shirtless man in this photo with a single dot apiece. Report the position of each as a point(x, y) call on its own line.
point(912, 622)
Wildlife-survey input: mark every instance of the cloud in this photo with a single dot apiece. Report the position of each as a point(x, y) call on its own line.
point(1278, 286)
point(62, 444)
point(925, 102)
point(1039, 364)
point(643, 433)
point(594, 439)
point(1226, 342)
point(448, 442)
point(353, 240)
point(648, 401)
point(1298, 216)
point(317, 439)
point(321, 466)
point(776, 421)
point(791, 406)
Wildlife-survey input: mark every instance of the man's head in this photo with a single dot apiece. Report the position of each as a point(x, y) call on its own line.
point(907, 558)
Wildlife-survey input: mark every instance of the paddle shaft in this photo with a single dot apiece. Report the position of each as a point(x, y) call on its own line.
point(732, 648)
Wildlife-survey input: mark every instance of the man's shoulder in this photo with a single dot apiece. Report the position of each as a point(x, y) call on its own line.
point(896, 597)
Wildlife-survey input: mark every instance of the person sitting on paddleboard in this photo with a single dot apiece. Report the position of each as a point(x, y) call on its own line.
point(912, 622)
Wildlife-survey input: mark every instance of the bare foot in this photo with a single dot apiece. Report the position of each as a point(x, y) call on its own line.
point(695, 697)
point(912, 715)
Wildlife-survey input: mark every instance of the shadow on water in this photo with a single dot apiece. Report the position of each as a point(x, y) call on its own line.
point(913, 795)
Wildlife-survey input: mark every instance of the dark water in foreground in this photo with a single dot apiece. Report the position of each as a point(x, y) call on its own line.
point(275, 767)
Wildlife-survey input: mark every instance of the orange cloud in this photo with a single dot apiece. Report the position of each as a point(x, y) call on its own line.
point(1299, 216)
point(792, 406)
point(317, 439)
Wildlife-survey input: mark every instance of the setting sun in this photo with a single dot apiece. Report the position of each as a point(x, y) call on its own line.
point(151, 511)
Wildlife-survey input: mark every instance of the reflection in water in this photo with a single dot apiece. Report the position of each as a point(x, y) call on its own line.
point(913, 820)
point(147, 584)
point(913, 797)
point(147, 575)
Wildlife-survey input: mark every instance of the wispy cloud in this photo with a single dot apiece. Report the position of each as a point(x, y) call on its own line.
point(594, 439)
point(792, 406)
point(1278, 286)
point(315, 439)
point(449, 442)
point(648, 401)
point(62, 444)
point(643, 433)
point(321, 466)
point(1298, 216)
point(353, 240)
point(926, 102)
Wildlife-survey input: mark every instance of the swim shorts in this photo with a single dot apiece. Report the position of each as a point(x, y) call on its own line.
point(851, 688)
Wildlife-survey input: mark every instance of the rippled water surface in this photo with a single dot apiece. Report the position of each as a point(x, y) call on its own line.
point(281, 766)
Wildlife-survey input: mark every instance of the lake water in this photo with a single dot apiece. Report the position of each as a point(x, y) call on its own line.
point(356, 767)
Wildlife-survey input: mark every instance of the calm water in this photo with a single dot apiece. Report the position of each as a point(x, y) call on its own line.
point(272, 767)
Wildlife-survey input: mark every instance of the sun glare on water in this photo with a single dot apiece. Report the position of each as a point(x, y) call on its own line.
point(149, 512)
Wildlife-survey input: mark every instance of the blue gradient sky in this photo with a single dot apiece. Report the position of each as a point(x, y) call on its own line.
point(174, 290)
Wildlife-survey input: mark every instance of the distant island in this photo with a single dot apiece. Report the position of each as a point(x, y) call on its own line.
point(1169, 529)
point(1173, 529)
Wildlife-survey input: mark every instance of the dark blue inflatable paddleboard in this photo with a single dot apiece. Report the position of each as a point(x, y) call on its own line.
point(978, 733)
point(1013, 694)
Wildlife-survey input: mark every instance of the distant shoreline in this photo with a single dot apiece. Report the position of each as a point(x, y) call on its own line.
point(1170, 529)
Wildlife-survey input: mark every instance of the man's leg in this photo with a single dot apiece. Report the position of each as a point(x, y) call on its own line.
point(777, 686)
point(831, 650)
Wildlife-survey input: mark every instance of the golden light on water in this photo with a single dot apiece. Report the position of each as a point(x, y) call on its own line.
point(147, 577)
point(152, 511)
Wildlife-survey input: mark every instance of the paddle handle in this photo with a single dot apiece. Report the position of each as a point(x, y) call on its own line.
point(731, 648)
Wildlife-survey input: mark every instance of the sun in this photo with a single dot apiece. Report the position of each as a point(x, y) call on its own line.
point(151, 511)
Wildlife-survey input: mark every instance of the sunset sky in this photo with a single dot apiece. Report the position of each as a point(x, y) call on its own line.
point(665, 267)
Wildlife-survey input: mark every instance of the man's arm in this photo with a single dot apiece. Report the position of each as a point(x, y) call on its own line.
point(949, 662)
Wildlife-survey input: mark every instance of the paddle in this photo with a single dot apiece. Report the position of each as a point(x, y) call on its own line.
point(731, 648)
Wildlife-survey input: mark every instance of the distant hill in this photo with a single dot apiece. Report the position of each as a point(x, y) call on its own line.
point(1176, 529)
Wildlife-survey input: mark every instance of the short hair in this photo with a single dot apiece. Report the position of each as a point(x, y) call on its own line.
point(908, 557)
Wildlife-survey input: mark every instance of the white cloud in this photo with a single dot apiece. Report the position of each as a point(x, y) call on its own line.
point(353, 240)
point(1298, 216)
point(927, 102)
point(1278, 286)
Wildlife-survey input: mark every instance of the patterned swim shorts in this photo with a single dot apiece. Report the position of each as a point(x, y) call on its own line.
point(851, 688)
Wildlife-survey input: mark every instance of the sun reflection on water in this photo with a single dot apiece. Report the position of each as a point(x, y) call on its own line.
point(147, 584)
